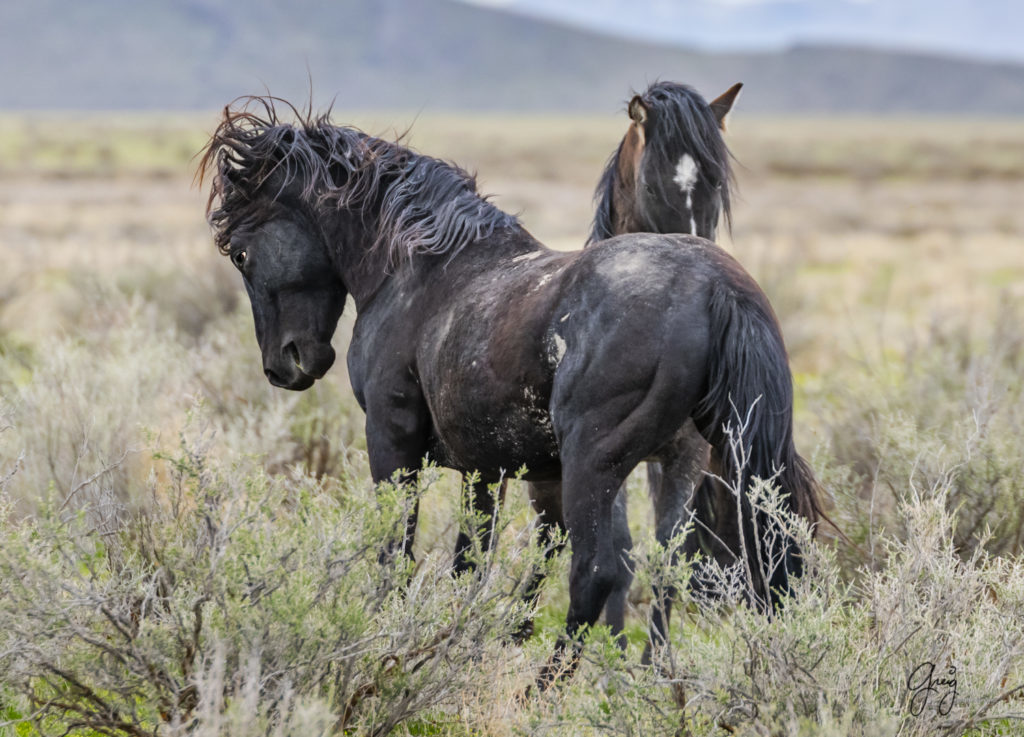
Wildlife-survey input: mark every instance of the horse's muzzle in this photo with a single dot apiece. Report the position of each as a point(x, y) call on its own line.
point(297, 366)
point(296, 381)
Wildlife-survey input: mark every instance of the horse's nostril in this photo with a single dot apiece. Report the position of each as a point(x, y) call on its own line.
point(293, 353)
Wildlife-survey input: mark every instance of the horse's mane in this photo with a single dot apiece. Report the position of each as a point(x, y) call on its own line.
point(603, 227)
point(423, 205)
point(683, 123)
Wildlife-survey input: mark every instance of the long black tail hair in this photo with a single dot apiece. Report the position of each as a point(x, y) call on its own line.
point(751, 389)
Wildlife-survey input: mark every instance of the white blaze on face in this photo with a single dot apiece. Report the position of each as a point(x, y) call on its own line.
point(687, 172)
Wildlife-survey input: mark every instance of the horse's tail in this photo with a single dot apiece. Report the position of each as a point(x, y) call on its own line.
point(750, 389)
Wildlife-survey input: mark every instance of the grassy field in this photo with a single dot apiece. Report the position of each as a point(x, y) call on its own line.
point(188, 550)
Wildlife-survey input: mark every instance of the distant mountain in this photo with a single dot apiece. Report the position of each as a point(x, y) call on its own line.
point(434, 54)
point(980, 29)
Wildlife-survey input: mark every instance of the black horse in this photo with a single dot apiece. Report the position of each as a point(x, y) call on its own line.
point(477, 345)
point(670, 173)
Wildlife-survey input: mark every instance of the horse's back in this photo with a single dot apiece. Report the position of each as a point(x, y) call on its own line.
point(645, 276)
point(657, 255)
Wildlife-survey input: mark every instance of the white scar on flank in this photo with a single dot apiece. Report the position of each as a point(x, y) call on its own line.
point(687, 172)
point(559, 348)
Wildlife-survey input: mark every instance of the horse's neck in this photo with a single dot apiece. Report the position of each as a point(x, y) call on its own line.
point(623, 211)
point(361, 267)
point(364, 270)
point(625, 218)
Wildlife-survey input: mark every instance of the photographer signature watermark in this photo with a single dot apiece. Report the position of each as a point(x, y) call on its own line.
point(926, 686)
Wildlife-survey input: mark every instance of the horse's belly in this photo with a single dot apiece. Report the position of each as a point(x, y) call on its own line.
point(498, 440)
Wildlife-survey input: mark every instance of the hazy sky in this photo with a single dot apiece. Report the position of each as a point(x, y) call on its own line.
point(989, 29)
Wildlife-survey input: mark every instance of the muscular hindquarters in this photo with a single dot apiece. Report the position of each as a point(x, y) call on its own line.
point(619, 397)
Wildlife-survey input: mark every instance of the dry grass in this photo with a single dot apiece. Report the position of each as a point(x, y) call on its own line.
point(862, 232)
point(888, 248)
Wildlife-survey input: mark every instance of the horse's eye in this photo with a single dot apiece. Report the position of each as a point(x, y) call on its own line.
point(238, 258)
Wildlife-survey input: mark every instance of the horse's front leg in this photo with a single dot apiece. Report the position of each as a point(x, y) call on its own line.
point(479, 500)
point(397, 432)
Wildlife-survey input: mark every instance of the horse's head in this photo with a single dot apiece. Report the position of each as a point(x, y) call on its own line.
point(266, 222)
point(671, 173)
point(295, 295)
point(310, 212)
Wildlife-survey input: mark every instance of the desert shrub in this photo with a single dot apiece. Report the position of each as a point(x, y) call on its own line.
point(78, 418)
point(192, 296)
point(842, 658)
point(233, 585)
point(945, 413)
point(874, 656)
point(927, 642)
point(239, 600)
point(84, 411)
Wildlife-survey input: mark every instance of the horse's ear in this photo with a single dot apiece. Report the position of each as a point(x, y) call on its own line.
point(637, 110)
point(722, 105)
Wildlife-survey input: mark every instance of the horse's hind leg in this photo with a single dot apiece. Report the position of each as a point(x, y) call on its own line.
point(615, 606)
point(546, 498)
point(673, 485)
point(589, 493)
point(609, 415)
